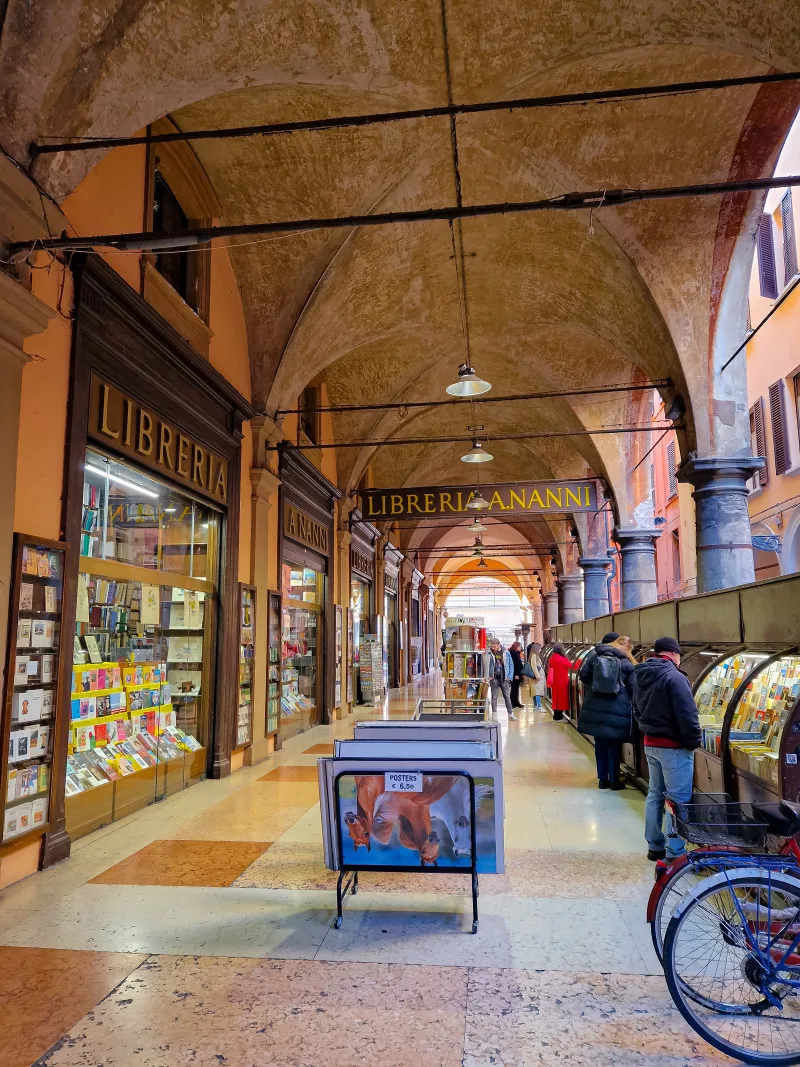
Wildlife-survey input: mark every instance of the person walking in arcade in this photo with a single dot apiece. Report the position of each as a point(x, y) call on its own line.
point(558, 682)
point(501, 675)
point(535, 675)
point(665, 710)
point(607, 710)
point(518, 660)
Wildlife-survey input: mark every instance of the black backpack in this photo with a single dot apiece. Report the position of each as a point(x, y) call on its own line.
point(606, 675)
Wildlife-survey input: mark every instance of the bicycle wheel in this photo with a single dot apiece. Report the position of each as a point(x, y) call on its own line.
point(720, 957)
point(700, 866)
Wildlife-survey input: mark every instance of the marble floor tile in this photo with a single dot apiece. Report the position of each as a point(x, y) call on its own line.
point(181, 920)
point(289, 773)
point(248, 815)
point(559, 935)
point(522, 1019)
point(307, 829)
point(196, 863)
point(320, 750)
point(247, 1013)
point(48, 991)
point(557, 873)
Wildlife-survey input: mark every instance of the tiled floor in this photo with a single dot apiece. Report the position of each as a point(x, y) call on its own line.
point(200, 932)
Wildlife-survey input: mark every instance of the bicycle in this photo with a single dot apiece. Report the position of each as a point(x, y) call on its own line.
point(725, 847)
point(731, 953)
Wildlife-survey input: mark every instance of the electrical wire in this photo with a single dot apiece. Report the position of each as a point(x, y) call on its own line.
point(70, 143)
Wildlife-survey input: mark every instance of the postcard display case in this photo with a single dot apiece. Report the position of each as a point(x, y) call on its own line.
point(466, 660)
point(244, 720)
point(274, 664)
point(412, 795)
point(31, 693)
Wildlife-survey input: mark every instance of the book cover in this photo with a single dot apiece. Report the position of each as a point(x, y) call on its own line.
point(23, 633)
point(90, 641)
point(47, 704)
point(43, 633)
point(43, 775)
point(42, 566)
point(48, 665)
point(11, 784)
point(25, 596)
point(53, 565)
point(21, 670)
point(50, 599)
point(39, 812)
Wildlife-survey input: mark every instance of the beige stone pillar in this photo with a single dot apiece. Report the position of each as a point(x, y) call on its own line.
point(21, 316)
point(343, 540)
point(264, 496)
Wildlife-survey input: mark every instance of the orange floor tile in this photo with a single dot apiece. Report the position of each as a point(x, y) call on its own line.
point(193, 863)
point(289, 773)
point(45, 992)
point(319, 750)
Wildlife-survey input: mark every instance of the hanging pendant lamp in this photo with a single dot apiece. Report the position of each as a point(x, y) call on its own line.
point(468, 383)
point(478, 502)
point(477, 454)
point(482, 563)
point(477, 527)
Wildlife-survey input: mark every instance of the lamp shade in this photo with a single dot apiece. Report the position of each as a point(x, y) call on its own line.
point(468, 383)
point(482, 562)
point(478, 502)
point(476, 527)
point(477, 454)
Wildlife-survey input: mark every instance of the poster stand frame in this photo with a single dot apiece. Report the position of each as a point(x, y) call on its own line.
point(345, 885)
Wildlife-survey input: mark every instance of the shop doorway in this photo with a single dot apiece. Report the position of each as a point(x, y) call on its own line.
point(498, 604)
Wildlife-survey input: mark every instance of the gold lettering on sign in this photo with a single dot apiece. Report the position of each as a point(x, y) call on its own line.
point(301, 527)
point(556, 497)
point(146, 437)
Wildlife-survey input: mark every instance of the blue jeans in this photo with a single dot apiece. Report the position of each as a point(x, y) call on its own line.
point(672, 775)
point(537, 700)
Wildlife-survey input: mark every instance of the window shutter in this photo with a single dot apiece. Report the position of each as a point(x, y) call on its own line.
point(757, 411)
point(673, 481)
point(766, 258)
point(789, 239)
point(780, 448)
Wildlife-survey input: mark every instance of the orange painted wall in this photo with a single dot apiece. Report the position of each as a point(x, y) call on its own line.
point(772, 357)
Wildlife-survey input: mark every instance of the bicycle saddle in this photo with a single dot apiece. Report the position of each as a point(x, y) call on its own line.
point(783, 819)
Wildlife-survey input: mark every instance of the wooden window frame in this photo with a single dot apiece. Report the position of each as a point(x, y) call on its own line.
point(781, 451)
point(672, 479)
point(767, 266)
point(757, 428)
point(789, 238)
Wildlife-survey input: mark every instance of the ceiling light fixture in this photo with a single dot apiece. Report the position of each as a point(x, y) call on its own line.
point(482, 563)
point(477, 527)
point(478, 502)
point(468, 383)
point(477, 454)
point(120, 481)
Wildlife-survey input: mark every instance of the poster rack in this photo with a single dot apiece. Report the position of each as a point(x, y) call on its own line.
point(473, 710)
point(345, 884)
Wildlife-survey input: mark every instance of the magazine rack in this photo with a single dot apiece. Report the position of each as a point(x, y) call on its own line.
point(347, 881)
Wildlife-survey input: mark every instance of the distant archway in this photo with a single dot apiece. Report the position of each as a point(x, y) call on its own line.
point(499, 605)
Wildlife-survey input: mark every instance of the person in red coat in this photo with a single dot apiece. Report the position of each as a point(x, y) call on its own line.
point(558, 668)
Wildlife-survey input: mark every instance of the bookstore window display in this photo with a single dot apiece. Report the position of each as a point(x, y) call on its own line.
point(303, 590)
point(144, 641)
point(359, 601)
point(274, 665)
point(31, 695)
point(244, 722)
point(760, 717)
point(715, 692)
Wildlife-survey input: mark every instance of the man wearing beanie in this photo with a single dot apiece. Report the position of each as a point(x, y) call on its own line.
point(665, 710)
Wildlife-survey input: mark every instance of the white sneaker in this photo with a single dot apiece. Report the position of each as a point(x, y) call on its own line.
point(512, 717)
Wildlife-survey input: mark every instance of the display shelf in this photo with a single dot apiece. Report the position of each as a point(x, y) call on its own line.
point(716, 690)
point(30, 709)
point(247, 622)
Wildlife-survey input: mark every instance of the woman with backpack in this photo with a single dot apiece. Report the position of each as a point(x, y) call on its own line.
point(607, 711)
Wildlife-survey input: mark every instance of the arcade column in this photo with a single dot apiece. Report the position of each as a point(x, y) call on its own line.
point(595, 586)
point(638, 566)
point(724, 548)
point(551, 610)
point(571, 597)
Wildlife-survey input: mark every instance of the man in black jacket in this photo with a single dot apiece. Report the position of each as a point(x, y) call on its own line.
point(665, 710)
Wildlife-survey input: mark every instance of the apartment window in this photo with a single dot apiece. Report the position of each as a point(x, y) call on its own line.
point(758, 445)
point(780, 437)
point(675, 541)
point(789, 238)
point(652, 474)
point(175, 266)
point(767, 274)
point(673, 481)
point(309, 416)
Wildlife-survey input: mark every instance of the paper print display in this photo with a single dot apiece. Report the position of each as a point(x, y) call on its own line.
point(192, 612)
point(150, 606)
point(82, 609)
point(26, 597)
point(23, 633)
point(43, 633)
point(187, 649)
point(416, 829)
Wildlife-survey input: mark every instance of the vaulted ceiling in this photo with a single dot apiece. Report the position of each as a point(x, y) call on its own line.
point(554, 299)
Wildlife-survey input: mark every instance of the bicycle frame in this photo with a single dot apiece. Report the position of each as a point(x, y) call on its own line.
point(705, 857)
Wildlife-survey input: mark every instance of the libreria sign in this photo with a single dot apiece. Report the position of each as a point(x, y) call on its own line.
point(439, 501)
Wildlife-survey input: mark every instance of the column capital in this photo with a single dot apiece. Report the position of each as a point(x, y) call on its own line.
point(551, 596)
point(343, 537)
point(718, 473)
point(594, 563)
point(633, 538)
point(21, 315)
point(264, 485)
point(567, 581)
point(266, 432)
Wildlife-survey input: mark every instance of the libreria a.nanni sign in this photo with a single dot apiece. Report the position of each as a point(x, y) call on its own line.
point(547, 498)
